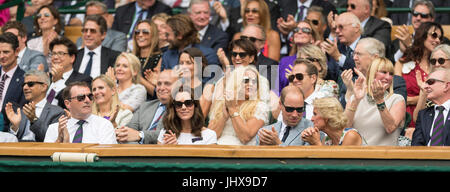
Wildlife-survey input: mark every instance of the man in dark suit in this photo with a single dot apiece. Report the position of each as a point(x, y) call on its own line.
point(127, 15)
point(94, 59)
point(11, 76)
point(32, 121)
point(63, 52)
point(210, 36)
point(406, 18)
point(256, 34)
point(433, 123)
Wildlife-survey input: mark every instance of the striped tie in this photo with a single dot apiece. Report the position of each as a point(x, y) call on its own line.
point(79, 134)
point(2, 85)
point(155, 124)
point(437, 136)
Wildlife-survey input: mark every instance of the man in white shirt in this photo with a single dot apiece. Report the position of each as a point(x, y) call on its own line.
point(81, 126)
point(31, 122)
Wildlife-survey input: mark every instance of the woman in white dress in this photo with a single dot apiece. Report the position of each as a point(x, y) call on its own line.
point(184, 122)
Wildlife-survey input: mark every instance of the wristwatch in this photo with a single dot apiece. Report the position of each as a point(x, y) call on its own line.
point(381, 106)
point(235, 114)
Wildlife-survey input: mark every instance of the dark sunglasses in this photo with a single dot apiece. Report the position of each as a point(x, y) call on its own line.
point(352, 6)
point(187, 103)
point(441, 61)
point(432, 81)
point(251, 10)
point(315, 22)
point(434, 35)
point(291, 109)
point(423, 15)
point(303, 29)
point(252, 39)
point(45, 15)
point(31, 83)
point(248, 80)
point(298, 76)
point(84, 30)
point(81, 98)
point(241, 54)
point(144, 31)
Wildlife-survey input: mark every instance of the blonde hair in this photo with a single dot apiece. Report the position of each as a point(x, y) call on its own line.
point(377, 65)
point(331, 109)
point(114, 99)
point(315, 52)
point(234, 83)
point(134, 65)
point(154, 41)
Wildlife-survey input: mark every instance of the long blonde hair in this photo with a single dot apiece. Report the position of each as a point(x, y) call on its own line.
point(114, 99)
point(377, 65)
point(154, 42)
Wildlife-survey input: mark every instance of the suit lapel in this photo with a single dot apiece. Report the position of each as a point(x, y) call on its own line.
point(78, 60)
point(447, 129)
point(151, 113)
point(429, 123)
point(104, 60)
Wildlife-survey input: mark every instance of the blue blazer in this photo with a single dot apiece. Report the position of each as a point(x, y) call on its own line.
point(215, 38)
point(421, 135)
point(14, 94)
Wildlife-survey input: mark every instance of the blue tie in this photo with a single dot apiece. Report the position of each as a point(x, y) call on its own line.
point(87, 71)
point(153, 126)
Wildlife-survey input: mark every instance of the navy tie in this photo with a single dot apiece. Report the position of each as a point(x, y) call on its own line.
point(286, 133)
point(87, 71)
point(438, 129)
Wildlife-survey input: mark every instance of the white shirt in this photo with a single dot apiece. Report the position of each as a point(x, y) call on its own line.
point(446, 105)
point(95, 130)
point(309, 108)
point(343, 57)
point(59, 85)
point(307, 5)
point(282, 130)
point(96, 61)
point(208, 137)
point(7, 137)
point(19, 58)
point(10, 74)
point(202, 32)
point(28, 134)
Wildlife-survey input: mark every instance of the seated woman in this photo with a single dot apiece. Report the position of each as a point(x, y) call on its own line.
point(375, 110)
point(329, 118)
point(184, 122)
point(146, 48)
point(127, 72)
point(239, 111)
point(106, 102)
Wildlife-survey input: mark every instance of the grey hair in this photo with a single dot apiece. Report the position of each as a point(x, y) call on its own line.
point(444, 48)
point(446, 72)
point(263, 31)
point(40, 74)
point(318, 9)
point(427, 3)
point(373, 46)
point(193, 2)
point(98, 4)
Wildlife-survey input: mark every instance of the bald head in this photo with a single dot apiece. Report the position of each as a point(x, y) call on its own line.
point(164, 85)
point(348, 28)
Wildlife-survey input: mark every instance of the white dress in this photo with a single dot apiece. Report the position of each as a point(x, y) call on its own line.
point(208, 137)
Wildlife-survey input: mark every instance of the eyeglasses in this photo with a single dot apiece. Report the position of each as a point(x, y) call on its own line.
point(45, 15)
point(314, 21)
point(252, 39)
point(144, 31)
point(85, 30)
point(31, 83)
point(81, 98)
point(302, 29)
point(432, 81)
point(248, 80)
point(352, 6)
point(58, 54)
point(298, 76)
point(441, 61)
point(291, 109)
point(341, 27)
point(241, 54)
point(251, 10)
point(187, 103)
point(423, 15)
point(434, 35)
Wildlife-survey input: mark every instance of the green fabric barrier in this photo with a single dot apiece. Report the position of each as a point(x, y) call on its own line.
point(23, 166)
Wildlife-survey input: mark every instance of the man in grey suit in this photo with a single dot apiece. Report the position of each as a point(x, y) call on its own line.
point(146, 123)
point(31, 123)
point(27, 59)
point(114, 40)
point(287, 132)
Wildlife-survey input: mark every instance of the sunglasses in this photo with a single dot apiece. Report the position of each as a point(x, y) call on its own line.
point(248, 80)
point(251, 10)
point(432, 81)
point(85, 30)
point(45, 15)
point(441, 61)
point(252, 39)
point(423, 15)
point(434, 35)
point(298, 76)
point(303, 29)
point(31, 83)
point(144, 31)
point(81, 98)
point(241, 54)
point(187, 103)
point(314, 21)
point(352, 6)
point(291, 109)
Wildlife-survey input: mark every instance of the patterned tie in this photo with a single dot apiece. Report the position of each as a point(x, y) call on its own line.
point(300, 13)
point(438, 129)
point(2, 85)
point(286, 133)
point(155, 124)
point(79, 134)
point(87, 71)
